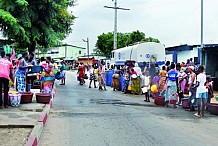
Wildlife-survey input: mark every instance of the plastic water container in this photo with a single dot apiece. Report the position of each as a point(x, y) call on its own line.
point(109, 75)
point(29, 87)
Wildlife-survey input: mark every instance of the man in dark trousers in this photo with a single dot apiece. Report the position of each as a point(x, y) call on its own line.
point(6, 73)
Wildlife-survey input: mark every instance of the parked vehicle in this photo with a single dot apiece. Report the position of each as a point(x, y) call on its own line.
point(143, 52)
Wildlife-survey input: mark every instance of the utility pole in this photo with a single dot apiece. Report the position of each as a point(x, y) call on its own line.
point(65, 51)
point(115, 21)
point(87, 41)
point(202, 32)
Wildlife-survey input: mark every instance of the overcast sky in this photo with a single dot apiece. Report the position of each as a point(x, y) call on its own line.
point(173, 22)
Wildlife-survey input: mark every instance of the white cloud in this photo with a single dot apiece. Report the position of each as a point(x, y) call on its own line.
point(171, 21)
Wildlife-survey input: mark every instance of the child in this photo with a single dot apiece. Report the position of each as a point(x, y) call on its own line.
point(92, 76)
point(209, 86)
point(146, 88)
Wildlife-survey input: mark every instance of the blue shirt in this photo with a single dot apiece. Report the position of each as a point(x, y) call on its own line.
point(172, 75)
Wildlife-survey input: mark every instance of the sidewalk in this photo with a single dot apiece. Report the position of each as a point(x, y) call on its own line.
point(17, 123)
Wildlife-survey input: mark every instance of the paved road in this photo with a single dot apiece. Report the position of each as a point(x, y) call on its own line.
point(88, 117)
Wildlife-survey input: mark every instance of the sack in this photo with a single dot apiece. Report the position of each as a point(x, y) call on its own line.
point(129, 88)
point(8, 49)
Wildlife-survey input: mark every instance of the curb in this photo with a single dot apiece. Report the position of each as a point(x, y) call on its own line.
point(35, 135)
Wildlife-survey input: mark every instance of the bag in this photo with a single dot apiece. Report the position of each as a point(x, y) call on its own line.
point(78, 79)
point(129, 88)
point(59, 76)
point(8, 50)
point(85, 76)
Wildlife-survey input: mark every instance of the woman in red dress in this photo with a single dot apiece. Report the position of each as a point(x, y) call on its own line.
point(81, 71)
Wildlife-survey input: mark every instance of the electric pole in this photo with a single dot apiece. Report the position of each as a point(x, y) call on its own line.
point(87, 41)
point(202, 32)
point(115, 21)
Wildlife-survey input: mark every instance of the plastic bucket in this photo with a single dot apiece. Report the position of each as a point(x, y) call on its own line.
point(15, 99)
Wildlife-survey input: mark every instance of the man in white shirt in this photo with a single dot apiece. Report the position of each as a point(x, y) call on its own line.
point(201, 93)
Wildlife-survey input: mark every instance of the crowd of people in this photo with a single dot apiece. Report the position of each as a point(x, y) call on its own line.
point(16, 73)
point(170, 80)
point(97, 73)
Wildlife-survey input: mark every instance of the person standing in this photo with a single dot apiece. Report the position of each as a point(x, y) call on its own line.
point(81, 71)
point(136, 82)
point(126, 78)
point(6, 73)
point(49, 72)
point(163, 74)
point(182, 80)
point(146, 88)
point(191, 89)
point(116, 79)
point(201, 93)
point(209, 86)
point(102, 76)
point(21, 72)
point(95, 72)
point(167, 65)
point(63, 72)
point(171, 92)
point(92, 76)
point(32, 60)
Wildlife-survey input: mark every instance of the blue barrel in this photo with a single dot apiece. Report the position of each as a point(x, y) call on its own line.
point(109, 75)
point(121, 82)
point(29, 87)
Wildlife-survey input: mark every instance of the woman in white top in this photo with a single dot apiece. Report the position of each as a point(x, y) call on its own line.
point(102, 76)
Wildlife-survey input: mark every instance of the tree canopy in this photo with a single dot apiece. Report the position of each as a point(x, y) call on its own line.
point(32, 22)
point(104, 44)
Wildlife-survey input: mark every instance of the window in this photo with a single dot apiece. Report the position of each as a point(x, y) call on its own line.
point(80, 52)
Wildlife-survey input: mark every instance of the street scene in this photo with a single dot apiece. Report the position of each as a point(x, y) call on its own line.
point(108, 73)
point(92, 117)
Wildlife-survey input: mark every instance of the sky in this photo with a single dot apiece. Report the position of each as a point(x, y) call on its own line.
point(173, 22)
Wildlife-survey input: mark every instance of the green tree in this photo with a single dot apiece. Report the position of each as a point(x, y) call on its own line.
point(104, 44)
point(150, 39)
point(32, 22)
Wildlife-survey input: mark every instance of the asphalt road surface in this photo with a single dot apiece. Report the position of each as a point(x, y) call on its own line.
point(89, 117)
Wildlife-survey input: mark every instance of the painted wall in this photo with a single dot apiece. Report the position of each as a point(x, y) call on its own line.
point(182, 56)
point(169, 57)
point(68, 52)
